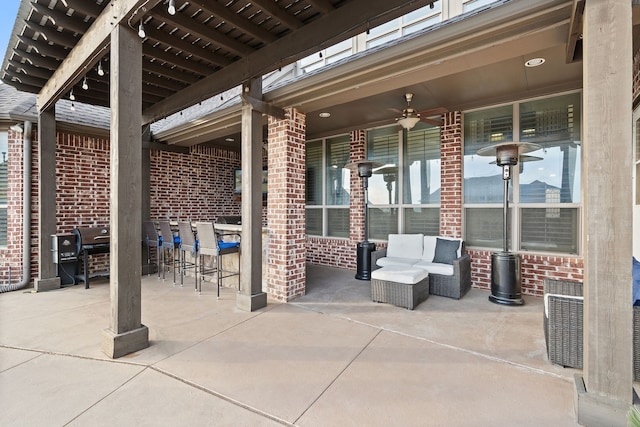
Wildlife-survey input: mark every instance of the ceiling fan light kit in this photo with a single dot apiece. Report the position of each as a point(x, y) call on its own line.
point(410, 117)
point(408, 122)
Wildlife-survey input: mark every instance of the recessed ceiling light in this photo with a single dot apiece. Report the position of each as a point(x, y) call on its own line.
point(325, 114)
point(534, 62)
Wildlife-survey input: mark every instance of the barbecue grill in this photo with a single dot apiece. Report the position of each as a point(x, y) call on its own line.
point(229, 219)
point(91, 241)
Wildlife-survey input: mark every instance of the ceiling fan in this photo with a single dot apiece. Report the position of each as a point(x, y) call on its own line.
point(409, 116)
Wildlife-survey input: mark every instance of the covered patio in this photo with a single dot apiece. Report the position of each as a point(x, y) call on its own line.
point(331, 357)
point(139, 92)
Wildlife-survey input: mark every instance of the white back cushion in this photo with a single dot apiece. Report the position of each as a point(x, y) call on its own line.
point(429, 248)
point(405, 246)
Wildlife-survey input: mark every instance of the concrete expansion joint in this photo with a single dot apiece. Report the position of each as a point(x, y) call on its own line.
point(450, 347)
point(75, 356)
point(221, 396)
point(353, 359)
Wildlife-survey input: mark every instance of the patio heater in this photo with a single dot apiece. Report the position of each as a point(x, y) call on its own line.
point(363, 251)
point(506, 285)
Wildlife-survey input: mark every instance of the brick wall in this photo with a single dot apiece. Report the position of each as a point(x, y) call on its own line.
point(194, 186)
point(451, 175)
point(83, 186)
point(11, 256)
point(286, 205)
point(358, 152)
point(533, 269)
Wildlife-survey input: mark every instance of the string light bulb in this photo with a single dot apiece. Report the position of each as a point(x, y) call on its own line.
point(85, 84)
point(72, 96)
point(73, 107)
point(100, 69)
point(172, 7)
point(141, 32)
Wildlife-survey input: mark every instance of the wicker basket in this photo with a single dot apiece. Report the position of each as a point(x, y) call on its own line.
point(636, 343)
point(400, 294)
point(563, 322)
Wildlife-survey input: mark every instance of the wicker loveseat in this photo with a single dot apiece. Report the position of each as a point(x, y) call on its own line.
point(444, 258)
point(563, 325)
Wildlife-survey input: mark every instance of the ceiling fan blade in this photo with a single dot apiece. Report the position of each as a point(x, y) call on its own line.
point(395, 110)
point(434, 122)
point(434, 111)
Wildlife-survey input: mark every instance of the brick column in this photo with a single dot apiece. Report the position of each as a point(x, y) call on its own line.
point(451, 175)
point(356, 198)
point(286, 207)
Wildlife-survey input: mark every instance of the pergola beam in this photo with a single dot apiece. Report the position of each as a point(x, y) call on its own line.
point(87, 52)
point(325, 31)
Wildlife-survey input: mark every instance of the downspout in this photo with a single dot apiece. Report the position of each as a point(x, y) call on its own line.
point(26, 212)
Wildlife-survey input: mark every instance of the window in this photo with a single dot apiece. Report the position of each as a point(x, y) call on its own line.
point(328, 187)
point(327, 56)
point(469, 5)
point(404, 196)
point(4, 162)
point(544, 193)
point(407, 24)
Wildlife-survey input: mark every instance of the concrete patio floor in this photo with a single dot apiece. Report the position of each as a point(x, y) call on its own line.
point(330, 358)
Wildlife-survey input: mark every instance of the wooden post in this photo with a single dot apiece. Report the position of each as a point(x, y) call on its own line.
point(251, 296)
point(604, 394)
point(46, 279)
point(126, 333)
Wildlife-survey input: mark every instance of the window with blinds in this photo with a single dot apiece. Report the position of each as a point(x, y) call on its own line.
point(328, 187)
point(4, 185)
point(545, 188)
point(482, 178)
point(404, 195)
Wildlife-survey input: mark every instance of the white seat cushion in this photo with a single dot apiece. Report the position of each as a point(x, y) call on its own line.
point(395, 261)
point(435, 268)
point(405, 246)
point(398, 274)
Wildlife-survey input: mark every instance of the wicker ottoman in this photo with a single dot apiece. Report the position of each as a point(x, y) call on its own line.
point(402, 286)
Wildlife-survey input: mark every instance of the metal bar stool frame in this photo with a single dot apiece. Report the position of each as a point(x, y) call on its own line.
point(152, 237)
point(210, 245)
point(188, 243)
point(171, 243)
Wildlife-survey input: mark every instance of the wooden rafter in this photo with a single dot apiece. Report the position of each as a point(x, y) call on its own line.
point(575, 32)
point(203, 31)
point(236, 20)
point(329, 29)
point(278, 13)
point(204, 54)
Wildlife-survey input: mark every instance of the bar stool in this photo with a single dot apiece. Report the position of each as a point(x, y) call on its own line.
point(171, 243)
point(152, 239)
point(210, 245)
point(188, 243)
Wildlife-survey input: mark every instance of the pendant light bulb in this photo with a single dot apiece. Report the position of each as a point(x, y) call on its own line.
point(72, 97)
point(172, 7)
point(73, 107)
point(100, 69)
point(141, 32)
point(85, 84)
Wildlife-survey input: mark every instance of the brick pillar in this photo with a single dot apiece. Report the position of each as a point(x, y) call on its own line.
point(356, 199)
point(286, 207)
point(451, 175)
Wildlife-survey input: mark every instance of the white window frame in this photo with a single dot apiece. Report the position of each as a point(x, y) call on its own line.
point(515, 205)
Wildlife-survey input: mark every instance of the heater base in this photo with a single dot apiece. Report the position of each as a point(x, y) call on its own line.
point(505, 279)
point(363, 259)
